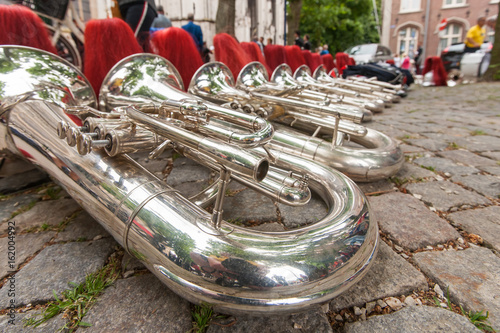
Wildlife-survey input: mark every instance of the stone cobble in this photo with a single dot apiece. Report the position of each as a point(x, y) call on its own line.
point(444, 199)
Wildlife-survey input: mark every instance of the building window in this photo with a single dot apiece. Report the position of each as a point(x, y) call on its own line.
point(453, 3)
point(407, 41)
point(450, 35)
point(410, 6)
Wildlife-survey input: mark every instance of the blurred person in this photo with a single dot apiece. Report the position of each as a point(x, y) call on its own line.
point(195, 32)
point(405, 63)
point(418, 57)
point(475, 36)
point(139, 15)
point(205, 53)
point(307, 44)
point(259, 43)
point(269, 41)
point(325, 50)
point(161, 21)
point(397, 60)
point(298, 41)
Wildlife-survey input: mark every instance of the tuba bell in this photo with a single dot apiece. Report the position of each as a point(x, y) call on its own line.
point(45, 100)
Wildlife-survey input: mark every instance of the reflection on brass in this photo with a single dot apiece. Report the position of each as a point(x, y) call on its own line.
point(202, 258)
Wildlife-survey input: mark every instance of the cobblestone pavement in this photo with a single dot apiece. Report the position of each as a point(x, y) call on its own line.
point(439, 220)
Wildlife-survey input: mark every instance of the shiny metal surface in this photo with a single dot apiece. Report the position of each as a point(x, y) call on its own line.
point(322, 76)
point(237, 270)
point(147, 78)
point(378, 156)
point(303, 74)
point(251, 77)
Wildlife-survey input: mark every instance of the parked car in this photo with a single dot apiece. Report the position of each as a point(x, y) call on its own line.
point(452, 55)
point(366, 53)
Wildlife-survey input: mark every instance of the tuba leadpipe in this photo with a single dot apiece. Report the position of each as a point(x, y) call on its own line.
point(237, 270)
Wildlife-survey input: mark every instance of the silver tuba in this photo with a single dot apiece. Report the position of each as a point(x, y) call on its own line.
point(243, 270)
point(303, 75)
point(377, 156)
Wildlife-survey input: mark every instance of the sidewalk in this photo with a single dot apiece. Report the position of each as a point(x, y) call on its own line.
point(439, 220)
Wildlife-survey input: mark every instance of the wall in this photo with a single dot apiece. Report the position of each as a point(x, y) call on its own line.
point(465, 15)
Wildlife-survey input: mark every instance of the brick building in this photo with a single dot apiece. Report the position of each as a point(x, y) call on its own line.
point(405, 22)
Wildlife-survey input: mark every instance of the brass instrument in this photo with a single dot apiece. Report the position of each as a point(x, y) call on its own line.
point(377, 156)
point(246, 271)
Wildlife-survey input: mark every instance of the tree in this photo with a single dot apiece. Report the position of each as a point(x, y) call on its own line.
point(493, 72)
point(225, 19)
point(293, 19)
point(339, 23)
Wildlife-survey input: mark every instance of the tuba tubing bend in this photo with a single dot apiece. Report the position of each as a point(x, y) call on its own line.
point(237, 270)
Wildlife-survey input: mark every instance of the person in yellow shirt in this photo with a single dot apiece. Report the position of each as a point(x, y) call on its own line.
point(475, 36)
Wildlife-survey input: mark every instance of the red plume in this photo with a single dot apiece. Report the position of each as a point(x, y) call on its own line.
point(275, 56)
point(229, 51)
point(294, 57)
point(253, 52)
point(328, 62)
point(307, 55)
point(438, 72)
point(177, 46)
point(316, 61)
point(19, 25)
point(107, 41)
point(342, 60)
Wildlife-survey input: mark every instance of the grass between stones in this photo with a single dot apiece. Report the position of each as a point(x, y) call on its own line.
point(74, 303)
point(476, 317)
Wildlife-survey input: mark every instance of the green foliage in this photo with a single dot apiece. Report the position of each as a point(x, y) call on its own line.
point(74, 303)
point(202, 315)
point(478, 132)
point(476, 317)
point(339, 23)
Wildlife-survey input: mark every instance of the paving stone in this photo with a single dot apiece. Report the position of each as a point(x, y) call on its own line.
point(9, 206)
point(390, 275)
point(50, 212)
point(23, 246)
point(23, 181)
point(409, 222)
point(484, 184)
point(52, 325)
point(83, 227)
point(494, 170)
point(139, 304)
point(56, 266)
point(130, 263)
point(467, 158)
point(410, 171)
point(484, 222)
point(445, 165)
point(480, 143)
point(312, 321)
point(411, 149)
point(294, 217)
point(492, 154)
point(13, 165)
point(270, 227)
point(186, 171)
point(442, 137)
point(471, 276)
point(444, 195)
point(249, 206)
point(378, 186)
point(428, 144)
point(414, 319)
